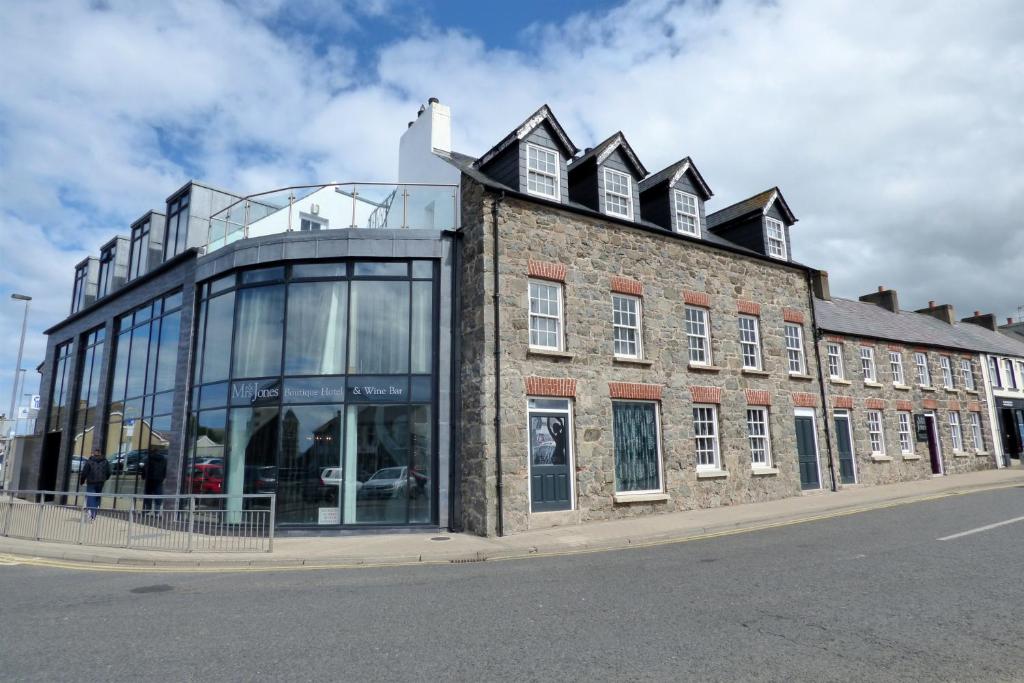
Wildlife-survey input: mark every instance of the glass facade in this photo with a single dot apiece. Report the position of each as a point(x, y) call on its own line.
point(90, 360)
point(176, 231)
point(317, 382)
point(61, 387)
point(138, 258)
point(142, 390)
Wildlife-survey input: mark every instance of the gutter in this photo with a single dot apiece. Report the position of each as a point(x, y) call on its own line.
point(499, 483)
point(817, 333)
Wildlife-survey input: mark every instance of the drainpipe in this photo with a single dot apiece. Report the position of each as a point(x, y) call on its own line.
point(816, 333)
point(497, 369)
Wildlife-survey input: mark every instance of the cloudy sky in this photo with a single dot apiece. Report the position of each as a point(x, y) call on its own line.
point(895, 129)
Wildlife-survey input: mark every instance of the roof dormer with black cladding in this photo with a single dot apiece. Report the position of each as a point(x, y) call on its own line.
point(674, 198)
point(606, 179)
point(532, 158)
point(760, 223)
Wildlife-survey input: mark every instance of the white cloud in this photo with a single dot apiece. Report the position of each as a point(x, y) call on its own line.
point(894, 131)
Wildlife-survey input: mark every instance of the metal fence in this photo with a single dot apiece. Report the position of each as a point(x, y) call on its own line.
point(176, 523)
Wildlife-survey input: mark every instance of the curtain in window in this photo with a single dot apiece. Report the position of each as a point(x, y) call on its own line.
point(379, 324)
point(258, 337)
point(316, 328)
point(636, 447)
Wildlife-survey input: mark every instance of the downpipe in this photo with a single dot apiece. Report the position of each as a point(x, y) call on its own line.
point(817, 335)
point(499, 483)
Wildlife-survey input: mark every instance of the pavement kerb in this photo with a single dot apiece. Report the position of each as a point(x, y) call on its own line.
point(15, 548)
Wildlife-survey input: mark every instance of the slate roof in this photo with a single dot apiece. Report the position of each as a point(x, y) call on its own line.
point(759, 202)
point(616, 140)
point(669, 171)
point(863, 319)
point(532, 121)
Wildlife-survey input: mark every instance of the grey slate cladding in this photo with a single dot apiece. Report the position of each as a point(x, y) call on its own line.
point(862, 319)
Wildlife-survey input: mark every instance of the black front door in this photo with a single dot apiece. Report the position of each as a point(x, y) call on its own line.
point(847, 475)
point(807, 452)
point(550, 458)
point(933, 445)
point(1010, 433)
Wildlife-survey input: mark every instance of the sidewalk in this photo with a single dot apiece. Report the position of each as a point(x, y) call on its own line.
point(405, 548)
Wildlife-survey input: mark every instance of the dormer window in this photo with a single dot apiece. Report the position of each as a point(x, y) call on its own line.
point(542, 172)
point(687, 217)
point(618, 194)
point(106, 272)
point(775, 236)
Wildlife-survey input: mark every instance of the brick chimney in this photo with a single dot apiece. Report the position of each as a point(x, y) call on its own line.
point(988, 320)
point(943, 312)
point(819, 283)
point(886, 298)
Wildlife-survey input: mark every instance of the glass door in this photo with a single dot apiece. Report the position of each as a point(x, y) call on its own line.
point(309, 477)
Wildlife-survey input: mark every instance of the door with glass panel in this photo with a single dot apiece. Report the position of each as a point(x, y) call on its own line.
point(847, 471)
point(807, 450)
point(550, 455)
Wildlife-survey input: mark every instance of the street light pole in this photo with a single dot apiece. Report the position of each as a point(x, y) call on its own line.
point(21, 347)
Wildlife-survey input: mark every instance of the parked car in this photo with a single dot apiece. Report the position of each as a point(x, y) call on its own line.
point(127, 463)
point(205, 479)
point(331, 481)
point(260, 478)
point(389, 482)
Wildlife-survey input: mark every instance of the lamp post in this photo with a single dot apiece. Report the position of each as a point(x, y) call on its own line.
point(17, 376)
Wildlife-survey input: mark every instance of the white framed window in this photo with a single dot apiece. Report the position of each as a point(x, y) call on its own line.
point(924, 375)
point(867, 364)
point(542, 174)
point(1009, 375)
point(993, 371)
point(775, 238)
point(626, 332)
point(896, 365)
point(967, 371)
point(698, 338)
point(545, 315)
point(795, 348)
point(687, 213)
point(979, 442)
point(954, 431)
point(308, 222)
point(835, 360)
point(705, 436)
point(947, 372)
point(636, 432)
point(750, 342)
point(760, 439)
point(906, 442)
point(618, 194)
point(875, 435)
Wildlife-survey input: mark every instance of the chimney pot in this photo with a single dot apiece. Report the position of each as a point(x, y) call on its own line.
point(433, 100)
point(977, 313)
point(588, 150)
point(410, 124)
point(881, 288)
point(420, 112)
point(1009, 321)
point(931, 304)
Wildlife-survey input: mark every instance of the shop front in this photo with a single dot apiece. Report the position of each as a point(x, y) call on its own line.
point(318, 382)
point(1010, 415)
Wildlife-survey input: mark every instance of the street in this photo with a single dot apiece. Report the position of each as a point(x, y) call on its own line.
point(869, 596)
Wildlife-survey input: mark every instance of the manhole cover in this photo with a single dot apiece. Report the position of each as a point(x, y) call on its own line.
point(159, 588)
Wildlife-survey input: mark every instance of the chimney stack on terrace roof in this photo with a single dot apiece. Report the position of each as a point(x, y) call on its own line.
point(988, 320)
point(886, 298)
point(943, 312)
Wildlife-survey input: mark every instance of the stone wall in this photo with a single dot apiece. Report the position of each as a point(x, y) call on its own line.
point(858, 396)
point(670, 270)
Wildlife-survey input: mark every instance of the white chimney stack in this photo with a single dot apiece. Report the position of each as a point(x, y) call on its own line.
point(428, 134)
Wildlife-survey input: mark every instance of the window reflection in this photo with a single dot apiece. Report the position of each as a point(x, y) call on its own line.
point(257, 351)
point(317, 316)
point(379, 323)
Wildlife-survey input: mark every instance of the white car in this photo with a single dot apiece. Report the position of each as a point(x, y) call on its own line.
point(331, 481)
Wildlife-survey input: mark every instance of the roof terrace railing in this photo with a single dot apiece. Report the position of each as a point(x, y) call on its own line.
point(331, 206)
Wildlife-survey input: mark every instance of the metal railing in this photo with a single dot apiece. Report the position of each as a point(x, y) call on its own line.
point(375, 206)
point(176, 523)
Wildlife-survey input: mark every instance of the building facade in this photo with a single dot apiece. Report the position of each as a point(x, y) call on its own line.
point(533, 337)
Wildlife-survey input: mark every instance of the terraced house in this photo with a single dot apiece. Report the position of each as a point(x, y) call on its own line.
point(535, 336)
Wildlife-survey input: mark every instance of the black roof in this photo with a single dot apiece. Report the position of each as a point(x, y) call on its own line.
point(544, 114)
point(604, 148)
point(684, 165)
point(758, 203)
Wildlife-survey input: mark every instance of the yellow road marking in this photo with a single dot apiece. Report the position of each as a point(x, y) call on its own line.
point(9, 559)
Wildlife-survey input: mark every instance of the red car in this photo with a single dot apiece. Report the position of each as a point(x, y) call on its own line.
point(206, 479)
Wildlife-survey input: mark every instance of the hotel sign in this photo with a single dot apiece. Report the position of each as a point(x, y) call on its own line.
point(255, 393)
point(378, 389)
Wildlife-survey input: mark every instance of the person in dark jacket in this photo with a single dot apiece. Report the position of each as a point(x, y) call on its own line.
point(94, 475)
point(154, 471)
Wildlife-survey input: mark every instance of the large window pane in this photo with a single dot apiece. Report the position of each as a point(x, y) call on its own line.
point(636, 447)
point(379, 328)
point(422, 326)
point(217, 342)
point(137, 362)
point(257, 350)
point(317, 316)
point(377, 450)
point(168, 359)
point(310, 475)
point(420, 458)
point(252, 455)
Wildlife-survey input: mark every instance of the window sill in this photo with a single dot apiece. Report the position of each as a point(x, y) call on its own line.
point(950, 390)
point(639, 497)
point(839, 380)
point(632, 361)
point(764, 471)
point(872, 385)
point(755, 372)
point(908, 456)
point(704, 368)
point(800, 376)
point(982, 454)
point(881, 458)
point(901, 387)
point(551, 353)
point(924, 388)
point(712, 474)
point(961, 454)
point(972, 391)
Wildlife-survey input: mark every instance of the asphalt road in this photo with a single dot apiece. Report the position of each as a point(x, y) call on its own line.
point(872, 596)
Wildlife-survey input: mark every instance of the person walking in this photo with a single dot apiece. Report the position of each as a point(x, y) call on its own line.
point(154, 471)
point(94, 475)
